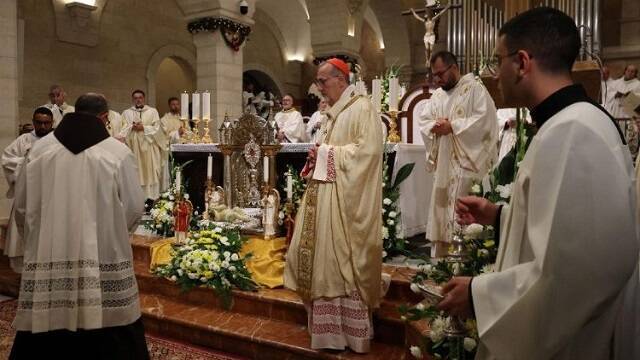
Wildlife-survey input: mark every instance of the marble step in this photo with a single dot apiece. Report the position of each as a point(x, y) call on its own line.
point(399, 290)
point(274, 304)
point(246, 335)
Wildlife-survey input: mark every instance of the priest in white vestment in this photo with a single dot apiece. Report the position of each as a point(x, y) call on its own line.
point(57, 104)
point(460, 131)
point(314, 124)
point(13, 158)
point(334, 261)
point(78, 264)
point(608, 91)
point(624, 86)
point(169, 133)
point(290, 122)
point(628, 83)
point(115, 125)
point(568, 245)
point(142, 123)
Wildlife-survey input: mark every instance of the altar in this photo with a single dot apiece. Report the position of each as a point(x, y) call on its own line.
point(415, 191)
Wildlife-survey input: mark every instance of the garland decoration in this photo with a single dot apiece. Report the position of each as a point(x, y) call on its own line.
point(233, 33)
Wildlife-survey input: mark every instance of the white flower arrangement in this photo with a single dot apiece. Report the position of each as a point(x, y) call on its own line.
point(210, 258)
point(437, 328)
point(161, 213)
point(469, 344)
point(473, 231)
point(504, 190)
point(416, 352)
point(392, 235)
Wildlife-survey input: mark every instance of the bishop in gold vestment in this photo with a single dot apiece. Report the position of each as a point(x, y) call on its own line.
point(335, 258)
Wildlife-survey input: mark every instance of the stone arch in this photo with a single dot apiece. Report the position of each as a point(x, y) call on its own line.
point(177, 52)
point(268, 73)
point(371, 18)
point(264, 18)
point(393, 26)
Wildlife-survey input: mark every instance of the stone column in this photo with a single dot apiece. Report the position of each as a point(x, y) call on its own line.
point(218, 66)
point(8, 86)
point(219, 70)
point(630, 23)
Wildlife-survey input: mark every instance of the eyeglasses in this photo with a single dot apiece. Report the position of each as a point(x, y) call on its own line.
point(494, 64)
point(440, 74)
point(322, 82)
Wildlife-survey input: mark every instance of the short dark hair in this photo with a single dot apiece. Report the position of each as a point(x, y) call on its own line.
point(289, 95)
point(173, 98)
point(548, 35)
point(92, 104)
point(447, 57)
point(138, 91)
point(42, 110)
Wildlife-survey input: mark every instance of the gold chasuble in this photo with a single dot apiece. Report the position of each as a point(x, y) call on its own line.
point(336, 249)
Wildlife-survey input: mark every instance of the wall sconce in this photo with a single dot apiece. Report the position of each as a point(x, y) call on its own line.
point(81, 12)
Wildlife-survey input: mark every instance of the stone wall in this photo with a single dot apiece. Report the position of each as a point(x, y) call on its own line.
point(130, 33)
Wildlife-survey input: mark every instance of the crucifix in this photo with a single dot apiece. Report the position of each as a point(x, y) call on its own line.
point(432, 12)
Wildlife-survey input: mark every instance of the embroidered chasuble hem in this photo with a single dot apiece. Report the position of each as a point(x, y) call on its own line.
point(306, 250)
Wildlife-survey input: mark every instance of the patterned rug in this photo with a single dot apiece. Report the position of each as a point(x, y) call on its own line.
point(159, 349)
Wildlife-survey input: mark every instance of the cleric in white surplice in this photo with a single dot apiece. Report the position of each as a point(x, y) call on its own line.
point(568, 251)
point(76, 199)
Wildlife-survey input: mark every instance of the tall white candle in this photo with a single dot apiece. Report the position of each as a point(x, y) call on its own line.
point(178, 181)
point(209, 167)
point(393, 94)
point(265, 169)
point(206, 105)
point(184, 105)
point(361, 88)
point(289, 186)
point(195, 106)
point(376, 94)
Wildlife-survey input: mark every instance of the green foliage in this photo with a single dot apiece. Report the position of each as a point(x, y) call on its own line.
point(393, 242)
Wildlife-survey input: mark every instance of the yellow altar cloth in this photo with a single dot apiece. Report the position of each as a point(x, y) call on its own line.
point(266, 263)
point(161, 252)
point(267, 260)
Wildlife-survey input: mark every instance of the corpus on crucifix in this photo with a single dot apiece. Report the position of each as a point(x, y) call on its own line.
point(429, 21)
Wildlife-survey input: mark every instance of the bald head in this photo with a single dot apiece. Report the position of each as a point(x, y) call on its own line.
point(630, 72)
point(56, 94)
point(92, 104)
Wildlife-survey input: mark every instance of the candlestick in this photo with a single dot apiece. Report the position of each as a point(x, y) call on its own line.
point(289, 186)
point(206, 105)
point(393, 94)
point(265, 170)
point(195, 106)
point(209, 167)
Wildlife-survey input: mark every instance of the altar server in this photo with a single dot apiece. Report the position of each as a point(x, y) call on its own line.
point(169, 133)
point(57, 104)
point(290, 122)
point(572, 211)
point(76, 199)
point(12, 160)
point(315, 122)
